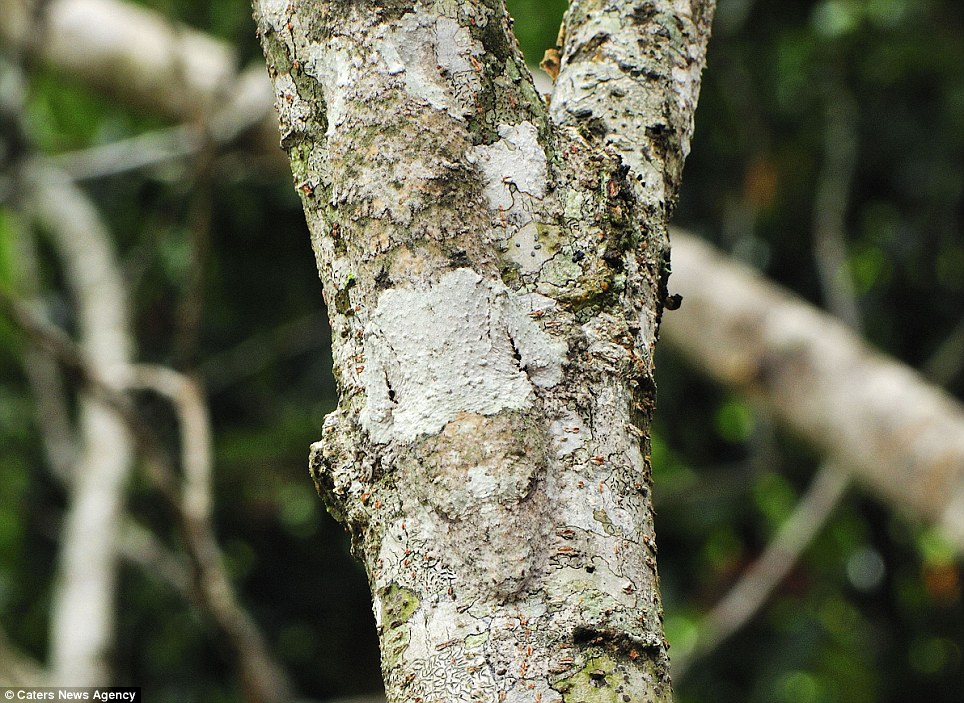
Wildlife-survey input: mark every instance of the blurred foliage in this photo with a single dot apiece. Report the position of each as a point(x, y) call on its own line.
point(874, 611)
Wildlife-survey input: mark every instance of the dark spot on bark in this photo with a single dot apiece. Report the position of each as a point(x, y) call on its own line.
point(642, 14)
point(673, 302)
point(459, 259)
point(343, 302)
point(597, 127)
point(592, 45)
point(658, 130)
point(383, 280)
point(516, 354)
point(666, 268)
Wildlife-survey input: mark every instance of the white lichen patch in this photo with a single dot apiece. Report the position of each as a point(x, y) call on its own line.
point(482, 483)
point(337, 71)
point(527, 250)
point(296, 111)
point(276, 13)
point(460, 345)
point(455, 47)
point(514, 169)
point(434, 56)
point(568, 433)
point(599, 331)
point(569, 585)
point(539, 354)
point(408, 49)
point(432, 625)
point(524, 693)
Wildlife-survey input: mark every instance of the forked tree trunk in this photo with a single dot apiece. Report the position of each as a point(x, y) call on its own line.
point(495, 278)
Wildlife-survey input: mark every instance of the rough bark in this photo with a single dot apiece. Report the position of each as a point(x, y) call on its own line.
point(12, 24)
point(494, 285)
point(900, 436)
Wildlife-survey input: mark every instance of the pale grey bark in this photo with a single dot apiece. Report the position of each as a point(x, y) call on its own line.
point(82, 618)
point(494, 283)
point(630, 73)
point(898, 435)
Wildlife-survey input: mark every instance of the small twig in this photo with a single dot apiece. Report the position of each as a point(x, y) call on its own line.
point(72, 359)
point(830, 206)
point(265, 679)
point(190, 307)
point(41, 370)
point(185, 395)
point(745, 599)
point(260, 350)
point(259, 669)
point(142, 151)
point(140, 546)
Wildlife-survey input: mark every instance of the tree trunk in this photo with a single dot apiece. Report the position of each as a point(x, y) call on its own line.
point(495, 281)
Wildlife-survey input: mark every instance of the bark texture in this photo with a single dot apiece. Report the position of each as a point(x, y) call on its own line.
point(494, 285)
point(699, 283)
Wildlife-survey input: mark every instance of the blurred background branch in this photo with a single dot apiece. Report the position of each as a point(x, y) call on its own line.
point(180, 166)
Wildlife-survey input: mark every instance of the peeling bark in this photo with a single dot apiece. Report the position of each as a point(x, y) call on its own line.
point(494, 285)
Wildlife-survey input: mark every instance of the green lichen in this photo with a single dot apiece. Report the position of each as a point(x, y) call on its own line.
point(599, 681)
point(565, 280)
point(398, 604)
point(602, 517)
point(604, 680)
point(475, 641)
point(575, 201)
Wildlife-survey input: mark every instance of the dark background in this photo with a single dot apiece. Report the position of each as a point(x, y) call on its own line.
point(872, 613)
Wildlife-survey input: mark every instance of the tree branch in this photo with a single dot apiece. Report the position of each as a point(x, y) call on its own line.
point(264, 681)
point(679, 326)
point(744, 600)
point(630, 74)
point(263, 677)
point(679, 332)
point(145, 60)
point(83, 610)
point(901, 437)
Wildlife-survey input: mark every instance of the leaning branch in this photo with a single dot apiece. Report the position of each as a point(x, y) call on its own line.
point(145, 60)
point(630, 73)
point(867, 413)
point(263, 678)
point(82, 621)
